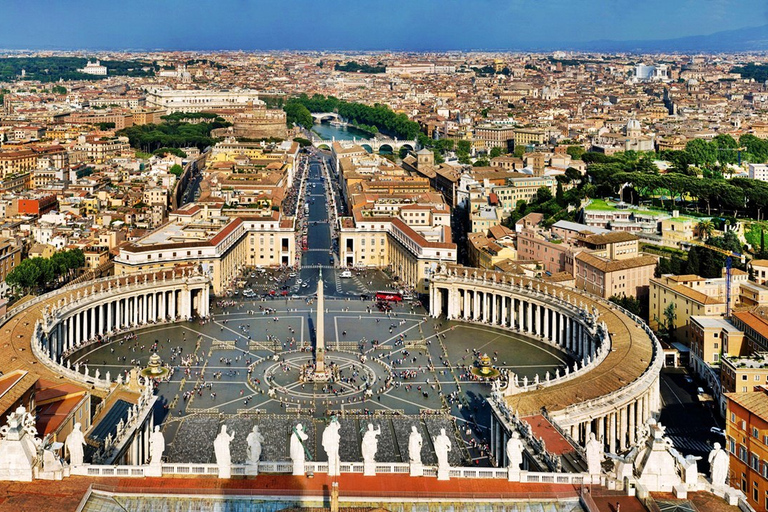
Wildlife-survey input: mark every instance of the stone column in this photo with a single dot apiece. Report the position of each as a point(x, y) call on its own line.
point(172, 304)
point(612, 433)
point(601, 430)
point(70, 332)
point(547, 315)
point(528, 317)
point(520, 314)
point(632, 422)
point(80, 331)
point(569, 341)
point(94, 311)
point(622, 433)
point(504, 319)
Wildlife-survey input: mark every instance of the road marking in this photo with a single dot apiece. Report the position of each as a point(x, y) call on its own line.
point(672, 391)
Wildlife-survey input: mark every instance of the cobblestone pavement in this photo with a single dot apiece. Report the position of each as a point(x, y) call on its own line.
point(421, 365)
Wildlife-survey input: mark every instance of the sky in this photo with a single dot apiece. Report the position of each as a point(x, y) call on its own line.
point(417, 25)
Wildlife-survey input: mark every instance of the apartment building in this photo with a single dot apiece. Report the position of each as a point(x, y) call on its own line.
point(746, 432)
point(605, 277)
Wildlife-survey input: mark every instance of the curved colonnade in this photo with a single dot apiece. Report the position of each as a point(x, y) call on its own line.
point(614, 386)
point(55, 324)
point(71, 319)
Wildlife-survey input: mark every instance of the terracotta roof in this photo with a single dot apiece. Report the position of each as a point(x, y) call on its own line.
point(756, 322)
point(754, 402)
point(606, 266)
point(611, 237)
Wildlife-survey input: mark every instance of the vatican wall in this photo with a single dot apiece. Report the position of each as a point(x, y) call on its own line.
point(610, 390)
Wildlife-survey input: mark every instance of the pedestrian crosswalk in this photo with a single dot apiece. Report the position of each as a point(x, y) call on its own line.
point(687, 445)
point(688, 440)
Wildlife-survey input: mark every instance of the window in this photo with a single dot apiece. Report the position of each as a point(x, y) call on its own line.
point(743, 454)
point(755, 462)
point(755, 433)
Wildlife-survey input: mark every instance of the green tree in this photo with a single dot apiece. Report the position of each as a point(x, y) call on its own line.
point(705, 229)
point(576, 152)
point(176, 170)
point(692, 265)
point(496, 152)
point(543, 194)
point(560, 195)
point(670, 315)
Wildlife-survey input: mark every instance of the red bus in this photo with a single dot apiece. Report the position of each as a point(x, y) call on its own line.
point(389, 296)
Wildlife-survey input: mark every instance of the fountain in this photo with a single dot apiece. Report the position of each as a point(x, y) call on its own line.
point(155, 368)
point(484, 368)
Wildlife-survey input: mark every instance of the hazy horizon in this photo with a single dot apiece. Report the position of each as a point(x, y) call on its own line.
point(398, 25)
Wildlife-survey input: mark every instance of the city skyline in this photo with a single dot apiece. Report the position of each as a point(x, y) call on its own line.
point(427, 25)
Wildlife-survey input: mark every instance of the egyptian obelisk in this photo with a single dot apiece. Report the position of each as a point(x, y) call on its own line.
point(320, 332)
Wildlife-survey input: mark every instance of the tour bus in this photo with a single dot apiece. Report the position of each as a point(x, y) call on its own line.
point(389, 296)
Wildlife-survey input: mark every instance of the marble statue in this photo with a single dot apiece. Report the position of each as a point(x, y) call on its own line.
point(514, 451)
point(369, 448)
point(156, 447)
point(442, 445)
point(254, 441)
point(298, 453)
point(331, 440)
point(74, 446)
point(718, 466)
point(415, 442)
point(221, 449)
point(594, 455)
point(690, 470)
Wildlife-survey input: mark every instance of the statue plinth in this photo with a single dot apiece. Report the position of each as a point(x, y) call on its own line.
point(443, 473)
point(155, 470)
point(417, 469)
point(369, 468)
point(251, 470)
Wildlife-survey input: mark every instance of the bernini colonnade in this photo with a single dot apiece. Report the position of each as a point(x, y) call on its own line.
point(612, 386)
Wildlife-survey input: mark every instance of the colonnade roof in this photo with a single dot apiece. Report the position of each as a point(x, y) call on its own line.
point(631, 352)
point(16, 333)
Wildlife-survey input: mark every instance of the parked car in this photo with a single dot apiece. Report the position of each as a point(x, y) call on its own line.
point(700, 390)
point(346, 274)
point(717, 430)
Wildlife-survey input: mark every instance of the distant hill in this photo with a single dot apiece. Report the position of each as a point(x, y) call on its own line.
point(751, 39)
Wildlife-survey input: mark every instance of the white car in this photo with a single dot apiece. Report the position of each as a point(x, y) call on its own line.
point(298, 281)
point(346, 273)
point(292, 274)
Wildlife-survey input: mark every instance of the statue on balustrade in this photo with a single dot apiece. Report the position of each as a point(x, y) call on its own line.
point(594, 454)
point(331, 440)
point(254, 440)
point(156, 447)
point(369, 448)
point(74, 446)
point(718, 466)
point(514, 451)
point(442, 445)
point(221, 450)
point(415, 442)
point(298, 450)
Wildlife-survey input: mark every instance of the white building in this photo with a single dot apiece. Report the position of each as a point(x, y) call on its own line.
point(644, 73)
point(94, 68)
point(758, 172)
point(180, 100)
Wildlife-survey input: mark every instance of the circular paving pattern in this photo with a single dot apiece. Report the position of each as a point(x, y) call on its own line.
point(351, 375)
